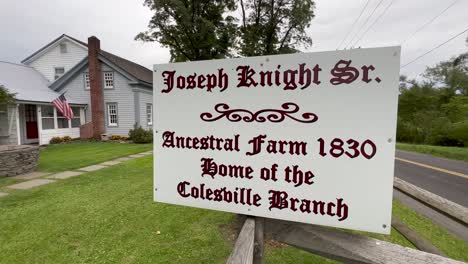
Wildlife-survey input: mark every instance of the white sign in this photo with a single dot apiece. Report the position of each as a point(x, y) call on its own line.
point(307, 137)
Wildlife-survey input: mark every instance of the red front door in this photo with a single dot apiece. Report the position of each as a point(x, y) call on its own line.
point(30, 114)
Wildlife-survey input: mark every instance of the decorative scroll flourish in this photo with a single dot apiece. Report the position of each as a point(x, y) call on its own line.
point(261, 116)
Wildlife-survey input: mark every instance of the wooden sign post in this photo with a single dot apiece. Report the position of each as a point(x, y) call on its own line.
point(259, 239)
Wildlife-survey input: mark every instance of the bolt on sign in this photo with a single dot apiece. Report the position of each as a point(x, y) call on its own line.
point(306, 137)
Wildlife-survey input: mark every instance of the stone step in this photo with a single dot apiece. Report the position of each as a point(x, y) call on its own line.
point(124, 159)
point(65, 175)
point(92, 168)
point(136, 155)
point(110, 163)
point(30, 184)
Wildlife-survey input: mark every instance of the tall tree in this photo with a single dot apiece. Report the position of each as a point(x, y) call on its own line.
point(451, 75)
point(201, 30)
point(274, 26)
point(192, 29)
point(435, 110)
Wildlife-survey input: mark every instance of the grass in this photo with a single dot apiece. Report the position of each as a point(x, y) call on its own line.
point(5, 181)
point(444, 152)
point(61, 157)
point(109, 216)
point(450, 245)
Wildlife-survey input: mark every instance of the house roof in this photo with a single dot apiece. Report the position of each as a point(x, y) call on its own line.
point(28, 84)
point(138, 71)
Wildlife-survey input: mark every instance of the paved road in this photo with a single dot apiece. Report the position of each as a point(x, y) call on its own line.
point(444, 177)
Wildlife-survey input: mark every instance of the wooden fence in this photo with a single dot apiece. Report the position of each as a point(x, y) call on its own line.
point(340, 245)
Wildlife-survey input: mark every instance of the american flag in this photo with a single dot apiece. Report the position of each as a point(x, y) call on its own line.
point(62, 105)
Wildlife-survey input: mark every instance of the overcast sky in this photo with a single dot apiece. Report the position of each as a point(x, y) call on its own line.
point(26, 26)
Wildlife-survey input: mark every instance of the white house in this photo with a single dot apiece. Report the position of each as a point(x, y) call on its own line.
point(108, 94)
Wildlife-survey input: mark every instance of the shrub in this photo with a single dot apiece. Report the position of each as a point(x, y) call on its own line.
point(56, 140)
point(140, 135)
point(460, 131)
point(66, 139)
point(118, 138)
point(407, 132)
point(115, 137)
point(446, 141)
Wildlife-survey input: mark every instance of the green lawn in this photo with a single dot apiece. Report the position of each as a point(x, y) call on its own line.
point(444, 152)
point(109, 216)
point(5, 181)
point(61, 157)
point(450, 245)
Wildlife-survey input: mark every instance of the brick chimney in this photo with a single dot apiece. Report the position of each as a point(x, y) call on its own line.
point(96, 91)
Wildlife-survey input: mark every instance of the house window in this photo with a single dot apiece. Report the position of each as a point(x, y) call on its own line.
point(59, 71)
point(4, 120)
point(62, 122)
point(63, 48)
point(47, 113)
point(149, 114)
point(76, 120)
point(87, 84)
point(108, 80)
point(112, 115)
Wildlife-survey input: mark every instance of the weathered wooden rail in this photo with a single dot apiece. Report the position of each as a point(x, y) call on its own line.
point(449, 208)
point(340, 245)
point(330, 243)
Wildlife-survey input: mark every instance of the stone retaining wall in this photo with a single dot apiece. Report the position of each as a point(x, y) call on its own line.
point(16, 160)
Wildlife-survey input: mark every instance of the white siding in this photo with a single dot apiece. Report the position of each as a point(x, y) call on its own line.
point(45, 135)
point(145, 98)
point(48, 134)
point(122, 94)
point(46, 63)
point(76, 90)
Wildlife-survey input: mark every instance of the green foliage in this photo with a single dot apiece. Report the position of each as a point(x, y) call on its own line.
point(56, 140)
point(435, 111)
point(141, 136)
point(5, 96)
point(449, 244)
point(118, 138)
point(203, 30)
point(452, 74)
point(439, 151)
point(192, 30)
point(274, 27)
point(459, 131)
